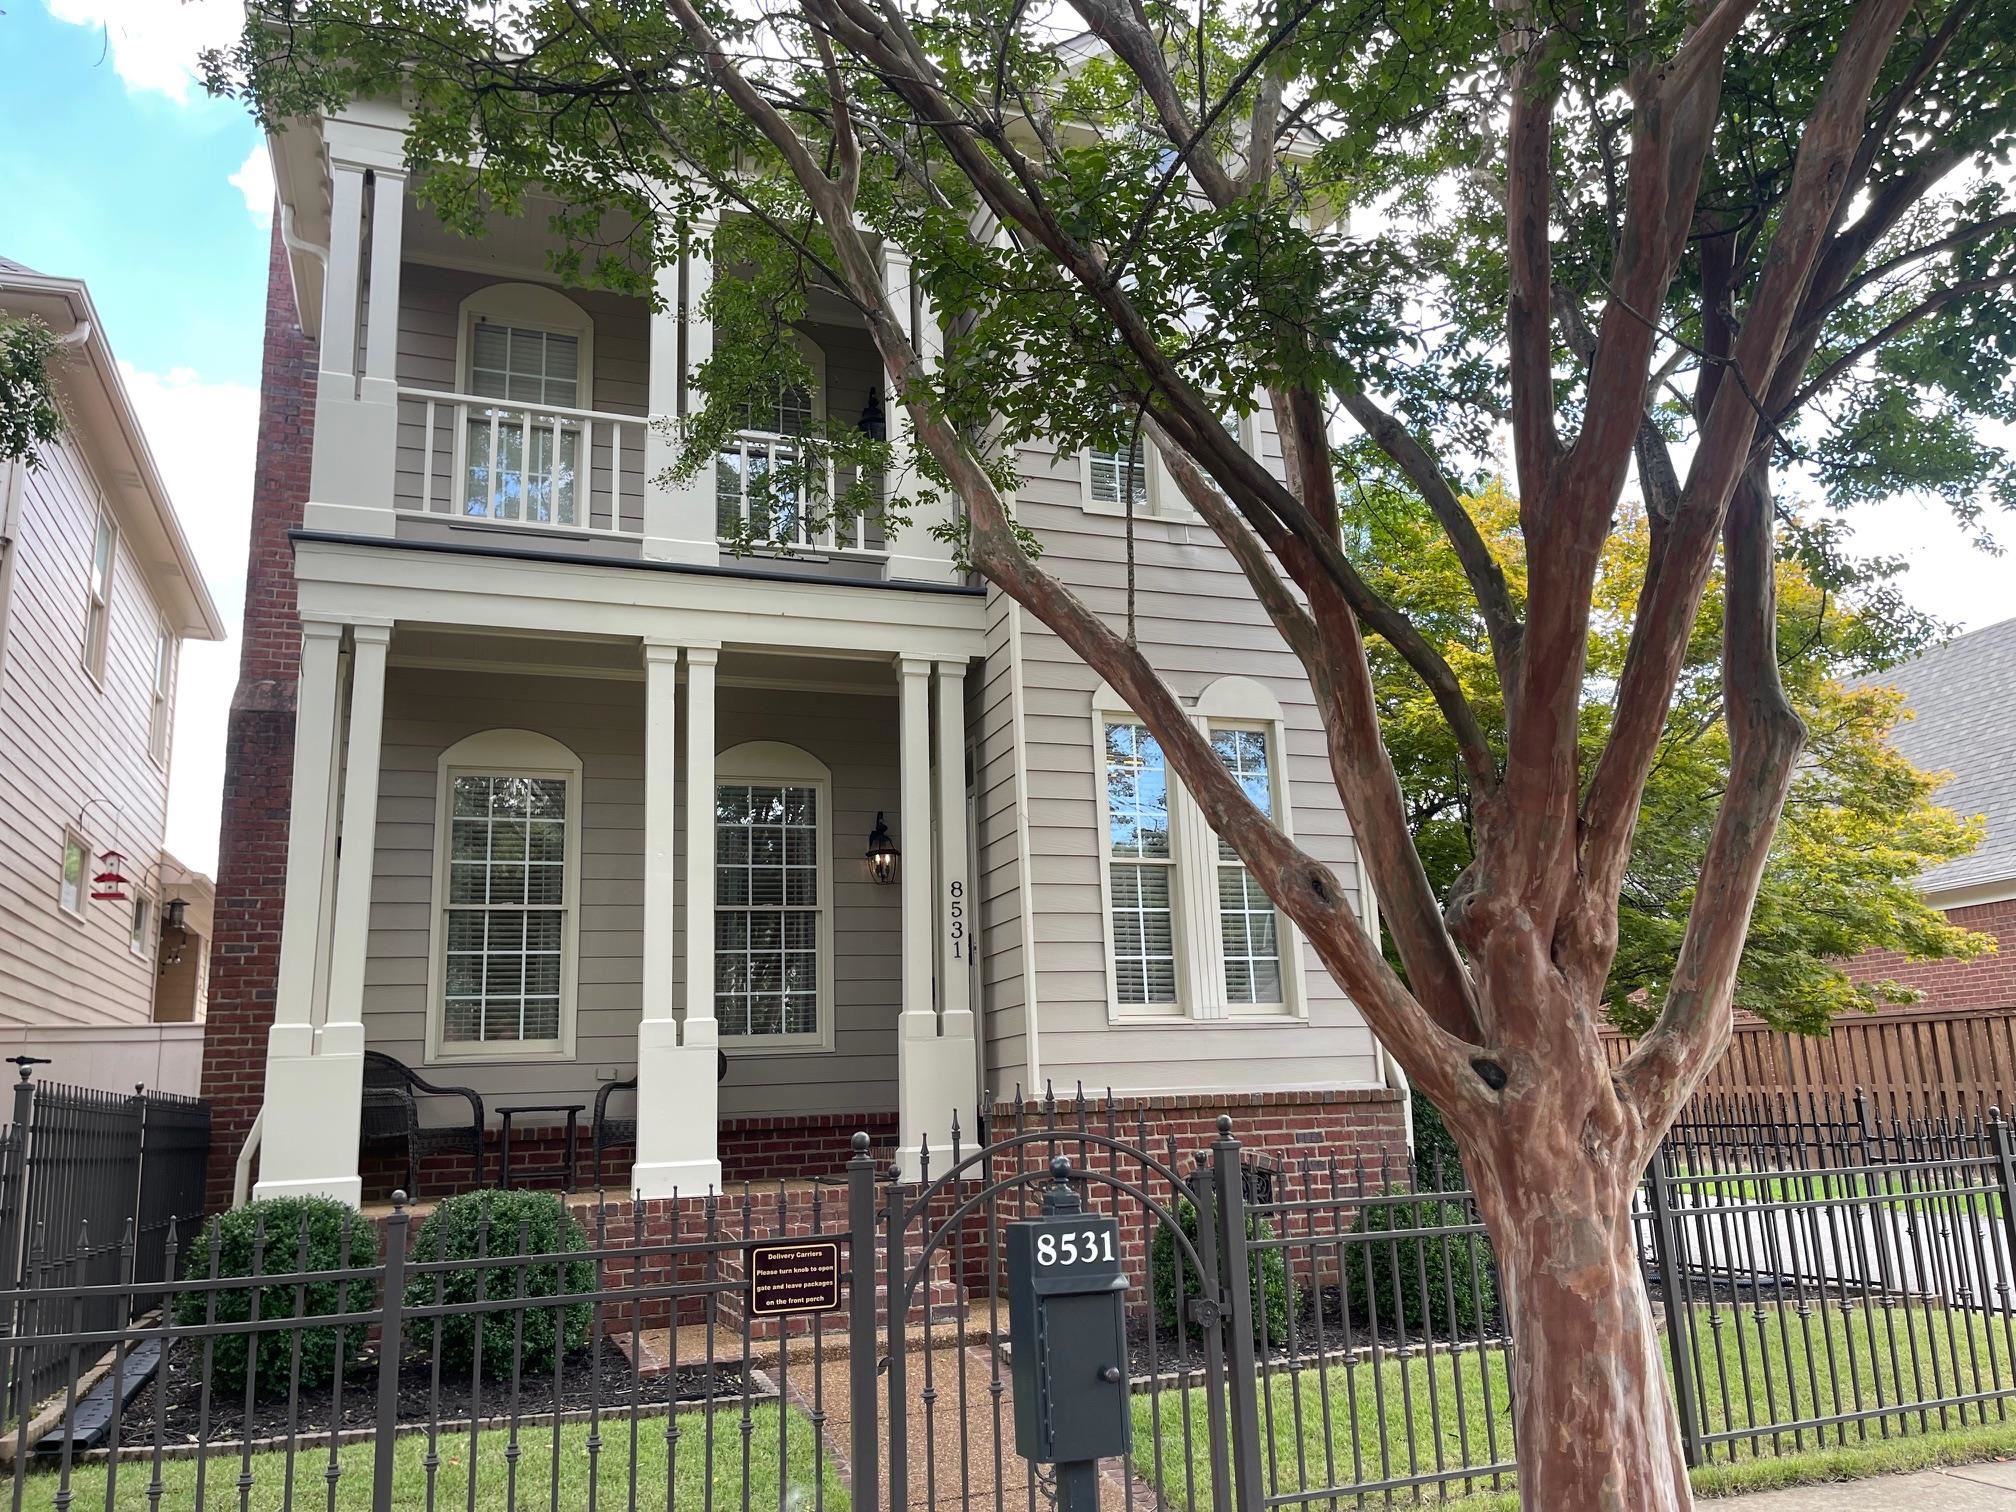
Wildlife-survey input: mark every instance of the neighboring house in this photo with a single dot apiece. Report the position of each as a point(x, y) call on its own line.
point(535, 788)
point(98, 591)
point(1963, 722)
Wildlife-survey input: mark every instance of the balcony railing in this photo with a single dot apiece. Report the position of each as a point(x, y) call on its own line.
point(470, 457)
point(801, 507)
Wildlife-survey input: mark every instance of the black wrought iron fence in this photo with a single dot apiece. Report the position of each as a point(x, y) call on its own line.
point(94, 1188)
point(1341, 1342)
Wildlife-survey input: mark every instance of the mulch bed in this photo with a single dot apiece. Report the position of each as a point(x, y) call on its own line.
point(178, 1389)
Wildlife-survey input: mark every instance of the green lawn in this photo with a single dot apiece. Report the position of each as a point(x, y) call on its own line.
point(689, 1486)
point(1358, 1424)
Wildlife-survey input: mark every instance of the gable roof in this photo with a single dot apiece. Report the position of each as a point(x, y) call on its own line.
point(1963, 699)
point(102, 419)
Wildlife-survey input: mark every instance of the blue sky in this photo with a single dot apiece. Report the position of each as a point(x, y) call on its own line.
point(117, 168)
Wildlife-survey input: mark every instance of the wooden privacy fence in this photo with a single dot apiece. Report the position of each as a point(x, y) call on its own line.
point(1908, 1065)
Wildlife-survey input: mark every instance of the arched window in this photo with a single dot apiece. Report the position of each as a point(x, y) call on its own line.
point(773, 898)
point(532, 349)
point(749, 468)
point(507, 850)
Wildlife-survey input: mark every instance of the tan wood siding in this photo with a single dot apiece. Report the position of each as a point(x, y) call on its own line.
point(1198, 621)
point(602, 722)
point(75, 753)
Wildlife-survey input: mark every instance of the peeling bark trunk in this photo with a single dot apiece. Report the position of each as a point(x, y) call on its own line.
point(1594, 1420)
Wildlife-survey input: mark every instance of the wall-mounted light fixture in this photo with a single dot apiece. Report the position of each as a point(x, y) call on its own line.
point(882, 852)
point(872, 424)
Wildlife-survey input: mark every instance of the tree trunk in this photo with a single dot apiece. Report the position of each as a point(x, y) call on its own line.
point(1594, 1422)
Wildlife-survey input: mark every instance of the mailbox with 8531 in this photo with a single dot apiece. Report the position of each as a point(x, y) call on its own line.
point(1067, 1332)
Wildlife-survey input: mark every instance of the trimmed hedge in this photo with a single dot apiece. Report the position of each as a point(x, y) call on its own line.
point(1269, 1268)
point(1441, 1261)
point(1438, 1165)
point(502, 1224)
point(282, 1236)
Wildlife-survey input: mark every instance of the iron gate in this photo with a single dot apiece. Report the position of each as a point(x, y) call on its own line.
point(921, 1361)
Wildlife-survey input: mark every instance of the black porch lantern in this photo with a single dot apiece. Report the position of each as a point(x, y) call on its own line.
point(871, 424)
point(882, 852)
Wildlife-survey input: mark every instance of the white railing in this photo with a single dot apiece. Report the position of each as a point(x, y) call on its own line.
point(489, 459)
point(740, 468)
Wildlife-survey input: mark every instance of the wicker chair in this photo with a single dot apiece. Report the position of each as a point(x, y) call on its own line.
point(392, 1116)
point(617, 1131)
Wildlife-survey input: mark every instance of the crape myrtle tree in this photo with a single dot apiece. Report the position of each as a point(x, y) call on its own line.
point(1686, 242)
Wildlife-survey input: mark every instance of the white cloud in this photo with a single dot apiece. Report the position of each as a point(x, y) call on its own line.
point(202, 435)
point(1946, 574)
point(254, 180)
point(154, 44)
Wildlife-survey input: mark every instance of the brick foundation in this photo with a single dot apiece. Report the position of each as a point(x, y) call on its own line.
point(259, 745)
point(752, 1150)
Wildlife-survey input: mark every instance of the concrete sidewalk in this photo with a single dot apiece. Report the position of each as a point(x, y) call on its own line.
point(1964, 1488)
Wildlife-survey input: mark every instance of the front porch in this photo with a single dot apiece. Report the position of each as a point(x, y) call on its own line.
point(539, 866)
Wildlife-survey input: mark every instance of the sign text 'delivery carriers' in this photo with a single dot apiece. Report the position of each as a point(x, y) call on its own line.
point(794, 1276)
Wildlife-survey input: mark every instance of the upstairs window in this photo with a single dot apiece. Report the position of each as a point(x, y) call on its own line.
point(70, 886)
point(530, 349)
point(98, 601)
point(1111, 472)
point(162, 696)
point(143, 916)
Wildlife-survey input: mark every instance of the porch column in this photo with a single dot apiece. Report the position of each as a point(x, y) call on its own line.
point(916, 554)
point(315, 1073)
point(679, 519)
point(676, 1094)
point(931, 1086)
point(954, 879)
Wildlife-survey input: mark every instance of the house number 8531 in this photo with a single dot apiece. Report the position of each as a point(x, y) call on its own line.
point(955, 912)
point(1068, 1248)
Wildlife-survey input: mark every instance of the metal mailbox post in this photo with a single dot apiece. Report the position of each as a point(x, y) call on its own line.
point(1067, 1331)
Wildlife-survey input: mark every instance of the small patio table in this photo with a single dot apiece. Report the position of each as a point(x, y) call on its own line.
point(573, 1112)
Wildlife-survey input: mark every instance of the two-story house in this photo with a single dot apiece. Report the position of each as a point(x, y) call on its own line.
point(98, 591)
point(537, 788)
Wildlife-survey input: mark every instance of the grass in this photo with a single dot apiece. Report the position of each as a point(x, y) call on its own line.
point(1948, 1196)
point(1351, 1425)
point(686, 1487)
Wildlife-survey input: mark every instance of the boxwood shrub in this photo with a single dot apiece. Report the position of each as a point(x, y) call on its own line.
point(1269, 1268)
point(1441, 1261)
point(282, 1236)
point(502, 1224)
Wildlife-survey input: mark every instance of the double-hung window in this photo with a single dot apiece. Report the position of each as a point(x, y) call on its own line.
point(1190, 932)
point(98, 600)
point(143, 915)
point(70, 881)
point(506, 897)
point(1248, 926)
point(522, 459)
point(162, 695)
point(1140, 868)
point(773, 862)
point(1112, 471)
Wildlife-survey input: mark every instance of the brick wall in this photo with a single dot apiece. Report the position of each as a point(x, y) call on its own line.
point(1987, 981)
point(259, 745)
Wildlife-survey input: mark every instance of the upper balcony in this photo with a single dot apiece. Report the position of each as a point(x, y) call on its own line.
point(480, 404)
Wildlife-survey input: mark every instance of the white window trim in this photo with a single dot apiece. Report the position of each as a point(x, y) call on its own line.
point(526, 307)
point(138, 930)
point(509, 753)
point(97, 606)
point(81, 913)
point(776, 761)
point(1240, 703)
point(1164, 501)
point(1231, 702)
point(161, 694)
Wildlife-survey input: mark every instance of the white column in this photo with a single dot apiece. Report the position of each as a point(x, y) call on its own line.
point(679, 520)
point(915, 554)
point(356, 404)
point(954, 882)
point(676, 1092)
point(926, 1095)
point(299, 1152)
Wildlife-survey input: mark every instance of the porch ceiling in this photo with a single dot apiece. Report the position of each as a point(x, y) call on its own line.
point(618, 658)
